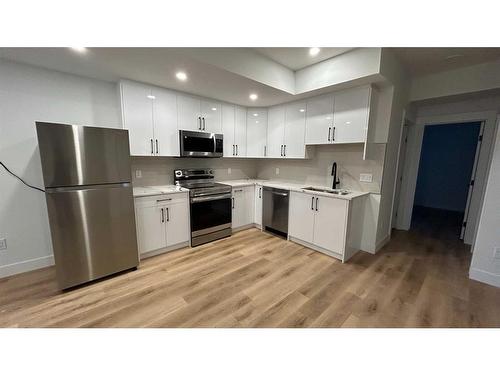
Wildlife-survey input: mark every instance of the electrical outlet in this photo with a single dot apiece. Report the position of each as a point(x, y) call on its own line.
point(496, 252)
point(277, 171)
point(138, 173)
point(3, 244)
point(365, 177)
point(229, 171)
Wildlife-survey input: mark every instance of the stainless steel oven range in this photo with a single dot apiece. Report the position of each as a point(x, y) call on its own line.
point(210, 205)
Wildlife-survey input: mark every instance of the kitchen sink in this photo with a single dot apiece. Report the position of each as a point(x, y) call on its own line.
point(329, 191)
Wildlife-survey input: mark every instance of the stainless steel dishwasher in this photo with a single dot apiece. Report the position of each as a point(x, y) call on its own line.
point(275, 211)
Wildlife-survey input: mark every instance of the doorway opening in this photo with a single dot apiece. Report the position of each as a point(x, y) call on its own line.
point(445, 179)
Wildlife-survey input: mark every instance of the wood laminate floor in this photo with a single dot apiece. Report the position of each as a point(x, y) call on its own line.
point(254, 279)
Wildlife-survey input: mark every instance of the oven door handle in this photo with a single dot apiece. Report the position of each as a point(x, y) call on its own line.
point(210, 198)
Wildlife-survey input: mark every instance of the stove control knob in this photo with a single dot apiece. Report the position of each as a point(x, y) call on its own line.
point(178, 173)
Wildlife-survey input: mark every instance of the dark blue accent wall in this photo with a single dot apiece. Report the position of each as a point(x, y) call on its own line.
point(446, 163)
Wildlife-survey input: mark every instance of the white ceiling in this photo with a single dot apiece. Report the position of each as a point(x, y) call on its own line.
point(156, 66)
point(296, 58)
point(421, 61)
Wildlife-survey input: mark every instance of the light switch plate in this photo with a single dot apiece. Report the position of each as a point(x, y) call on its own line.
point(277, 171)
point(138, 173)
point(3, 244)
point(365, 177)
point(229, 171)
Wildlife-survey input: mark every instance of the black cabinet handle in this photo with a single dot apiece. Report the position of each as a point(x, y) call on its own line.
point(157, 150)
point(199, 120)
point(162, 216)
point(260, 192)
point(233, 150)
point(284, 150)
point(316, 204)
point(236, 150)
point(265, 150)
point(168, 215)
point(281, 152)
point(329, 130)
point(312, 203)
point(152, 150)
point(333, 134)
point(233, 201)
point(203, 123)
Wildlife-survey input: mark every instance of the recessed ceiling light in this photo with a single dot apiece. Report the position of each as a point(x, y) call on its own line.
point(181, 76)
point(253, 96)
point(79, 49)
point(314, 51)
point(257, 121)
point(151, 96)
point(302, 110)
point(255, 114)
point(214, 109)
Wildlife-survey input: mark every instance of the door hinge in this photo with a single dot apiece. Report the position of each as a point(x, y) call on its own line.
point(480, 138)
point(406, 139)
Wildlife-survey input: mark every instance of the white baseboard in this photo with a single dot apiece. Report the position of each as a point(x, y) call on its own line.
point(382, 243)
point(485, 277)
point(25, 266)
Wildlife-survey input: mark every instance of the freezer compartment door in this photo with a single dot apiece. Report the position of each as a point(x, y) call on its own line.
point(93, 232)
point(82, 155)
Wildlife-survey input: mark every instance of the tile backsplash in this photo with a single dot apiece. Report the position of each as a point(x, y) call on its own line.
point(313, 171)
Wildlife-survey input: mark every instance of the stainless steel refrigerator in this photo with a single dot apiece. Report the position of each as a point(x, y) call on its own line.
point(87, 178)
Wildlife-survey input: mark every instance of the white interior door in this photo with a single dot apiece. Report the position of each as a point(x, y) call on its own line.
point(240, 131)
point(399, 177)
point(275, 132)
point(350, 115)
point(151, 233)
point(188, 112)
point(166, 133)
point(319, 120)
point(137, 113)
point(211, 116)
point(177, 219)
point(295, 127)
point(228, 129)
point(301, 216)
point(330, 223)
point(256, 132)
point(467, 232)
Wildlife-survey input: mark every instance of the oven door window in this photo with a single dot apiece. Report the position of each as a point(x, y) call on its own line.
point(209, 214)
point(198, 144)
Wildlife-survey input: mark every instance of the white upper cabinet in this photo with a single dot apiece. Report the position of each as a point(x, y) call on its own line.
point(211, 118)
point(342, 117)
point(240, 131)
point(256, 132)
point(228, 129)
point(166, 133)
point(295, 127)
point(137, 114)
point(189, 112)
point(351, 114)
point(319, 120)
point(275, 132)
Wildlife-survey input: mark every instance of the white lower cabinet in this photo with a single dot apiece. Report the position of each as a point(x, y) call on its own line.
point(162, 222)
point(243, 206)
point(320, 221)
point(258, 206)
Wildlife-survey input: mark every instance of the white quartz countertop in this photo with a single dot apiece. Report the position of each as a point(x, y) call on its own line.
point(294, 186)
point(144, 191)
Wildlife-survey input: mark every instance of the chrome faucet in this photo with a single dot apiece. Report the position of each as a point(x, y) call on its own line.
point(334, 174)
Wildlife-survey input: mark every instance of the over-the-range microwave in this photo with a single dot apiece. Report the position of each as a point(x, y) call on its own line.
point(200, 144)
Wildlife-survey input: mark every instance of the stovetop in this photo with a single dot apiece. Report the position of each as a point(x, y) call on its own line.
point(199, 182)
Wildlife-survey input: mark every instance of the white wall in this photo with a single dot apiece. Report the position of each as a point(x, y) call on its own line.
point(458, 81)
point(484, 266)
point(29, 94)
